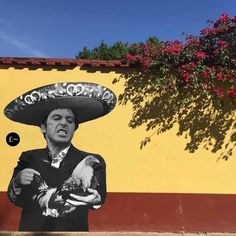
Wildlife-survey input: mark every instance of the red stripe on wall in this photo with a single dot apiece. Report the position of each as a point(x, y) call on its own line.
point(9, 214)
point(159, 212)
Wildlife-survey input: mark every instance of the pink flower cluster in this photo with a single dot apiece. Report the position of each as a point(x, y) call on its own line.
point(205, 62)
point(174, 47)
point(130, 57)
point(201, 55)
point(232, 92)
point(218, 91)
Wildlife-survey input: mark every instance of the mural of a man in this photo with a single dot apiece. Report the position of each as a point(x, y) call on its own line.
point(56, 186)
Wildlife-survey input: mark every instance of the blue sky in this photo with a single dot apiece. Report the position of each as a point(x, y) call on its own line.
point(60, 28)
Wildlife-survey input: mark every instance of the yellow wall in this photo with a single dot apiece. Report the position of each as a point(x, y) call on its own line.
point(162, 166)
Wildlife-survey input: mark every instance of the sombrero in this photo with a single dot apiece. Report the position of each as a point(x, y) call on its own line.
point(87, 100)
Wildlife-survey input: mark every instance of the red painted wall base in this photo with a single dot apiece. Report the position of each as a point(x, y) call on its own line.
point(159, 212)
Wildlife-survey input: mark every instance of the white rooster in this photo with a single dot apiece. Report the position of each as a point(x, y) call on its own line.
point(53, 200)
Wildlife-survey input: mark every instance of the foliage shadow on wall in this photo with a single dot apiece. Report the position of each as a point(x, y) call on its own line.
point(201, 120)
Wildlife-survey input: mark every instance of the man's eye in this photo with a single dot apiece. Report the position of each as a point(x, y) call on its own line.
point(56, 118)
point(70, 121)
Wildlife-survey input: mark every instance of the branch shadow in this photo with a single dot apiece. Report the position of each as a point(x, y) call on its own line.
point(200, 120)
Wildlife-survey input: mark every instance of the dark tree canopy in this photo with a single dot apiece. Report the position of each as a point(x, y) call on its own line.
point(116, 51)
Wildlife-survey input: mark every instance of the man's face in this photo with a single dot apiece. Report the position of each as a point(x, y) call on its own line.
point(60, 126)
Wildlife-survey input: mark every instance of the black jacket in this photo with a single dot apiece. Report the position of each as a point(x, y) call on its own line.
point(32, 218)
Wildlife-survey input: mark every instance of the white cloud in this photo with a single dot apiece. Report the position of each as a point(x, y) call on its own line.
point(20, 45)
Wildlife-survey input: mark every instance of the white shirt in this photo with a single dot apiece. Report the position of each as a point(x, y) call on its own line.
point(56, 161)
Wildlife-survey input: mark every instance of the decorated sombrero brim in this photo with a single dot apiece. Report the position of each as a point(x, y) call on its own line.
point(87, 100)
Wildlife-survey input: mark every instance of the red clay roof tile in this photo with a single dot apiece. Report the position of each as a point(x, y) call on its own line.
point(57, 62)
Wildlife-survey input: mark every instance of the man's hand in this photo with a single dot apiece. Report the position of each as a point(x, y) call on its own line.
point(92, 199)
point(25, 177)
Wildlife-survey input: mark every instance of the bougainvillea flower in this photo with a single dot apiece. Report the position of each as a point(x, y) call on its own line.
point(223, 17)
point(222, 44)
point(218, 91)
point(201, 55)
point(232, 92)
point(219, 76)
point(205, 74)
